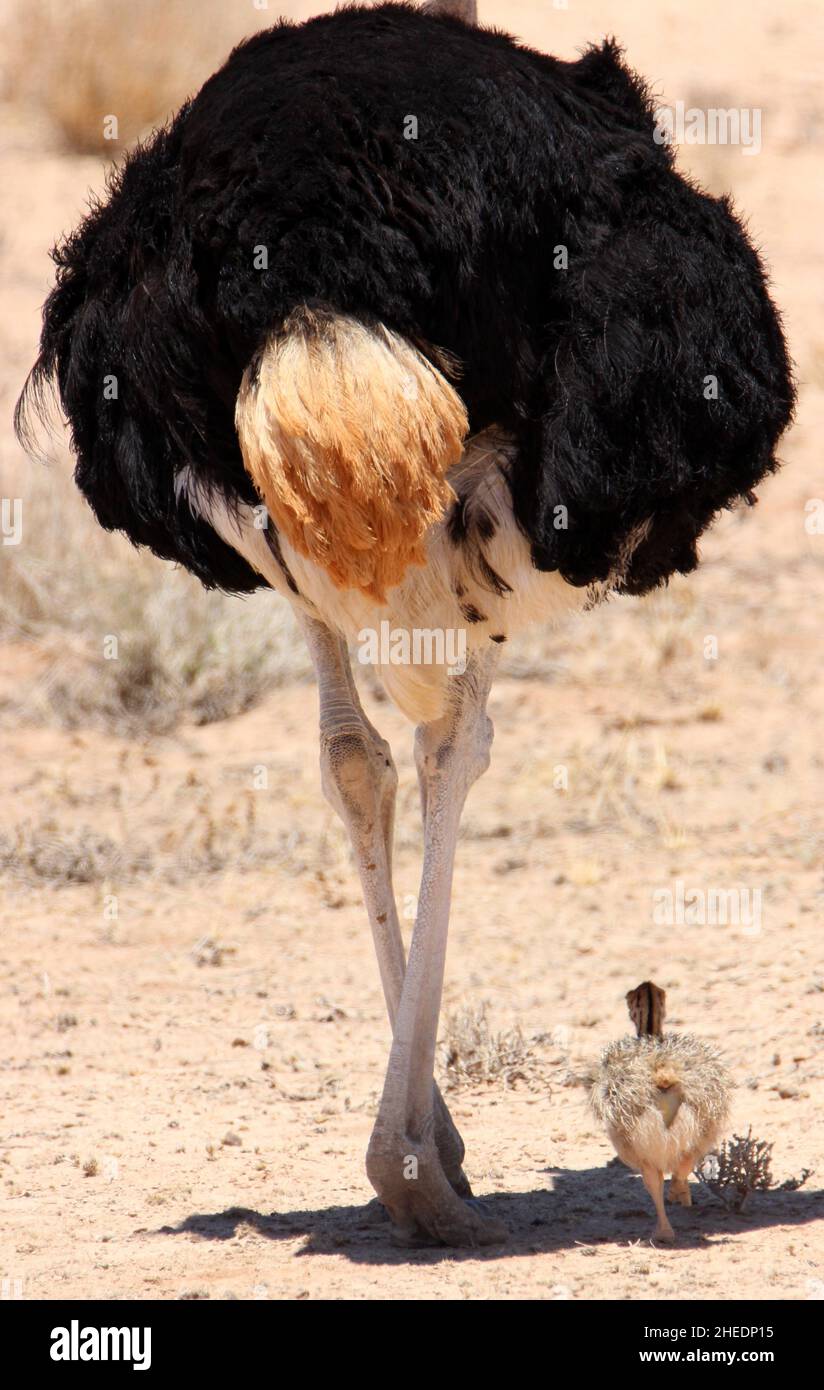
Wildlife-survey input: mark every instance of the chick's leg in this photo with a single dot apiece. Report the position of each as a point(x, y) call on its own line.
point(679, 1192)
point(654, 1183)
point(679, 1188)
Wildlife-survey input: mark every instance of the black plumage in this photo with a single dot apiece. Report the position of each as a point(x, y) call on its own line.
point(290, 179)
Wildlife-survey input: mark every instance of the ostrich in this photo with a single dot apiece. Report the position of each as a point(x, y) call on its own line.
point(663, 1099)
point(411, 323)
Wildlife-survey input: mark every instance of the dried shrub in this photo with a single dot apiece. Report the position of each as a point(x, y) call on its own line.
point(741, 1166)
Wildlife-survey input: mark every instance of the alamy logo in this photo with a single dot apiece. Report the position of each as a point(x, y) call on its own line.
point(690, 125)
point(11, 520)
point(415, 646)
point(708, 907)
point(76, 1343)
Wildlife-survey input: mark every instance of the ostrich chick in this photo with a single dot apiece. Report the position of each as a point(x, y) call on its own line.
point(663, 1100)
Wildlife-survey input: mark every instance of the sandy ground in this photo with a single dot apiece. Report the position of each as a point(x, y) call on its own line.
point(193, 1035)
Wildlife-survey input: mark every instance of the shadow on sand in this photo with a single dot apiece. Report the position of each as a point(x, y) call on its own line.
point(589, 1207)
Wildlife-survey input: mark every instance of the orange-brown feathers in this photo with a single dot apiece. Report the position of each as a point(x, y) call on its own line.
point(347, 432)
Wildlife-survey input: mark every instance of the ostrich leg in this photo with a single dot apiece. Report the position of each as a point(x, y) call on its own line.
point(359, 781)
point(403, 1162)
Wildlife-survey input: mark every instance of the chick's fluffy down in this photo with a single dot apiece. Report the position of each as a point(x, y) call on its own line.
point(662, 1100)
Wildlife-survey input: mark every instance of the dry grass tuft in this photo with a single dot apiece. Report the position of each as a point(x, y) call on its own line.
point(208, 841)
point(41, 854)
point(472, 1055)
point(178, 652)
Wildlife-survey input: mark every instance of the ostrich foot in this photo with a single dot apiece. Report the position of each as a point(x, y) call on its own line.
point(450, 1146)
point(424, 1208)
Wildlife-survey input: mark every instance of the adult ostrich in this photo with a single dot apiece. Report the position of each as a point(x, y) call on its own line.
point(414, 324)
